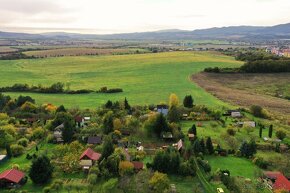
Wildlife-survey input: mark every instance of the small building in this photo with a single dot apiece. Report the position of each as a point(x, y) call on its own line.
point(249, 124)
point(281, 183)
point(178, 145)
point(167, 136)
point(236, 114)
point(163, 109)
point(80, 121)
point(86, 164)
point(90, 154)
point(95, 140)
point(138, 165)
point(140, 148)
point(12, 178)
point(57, 134)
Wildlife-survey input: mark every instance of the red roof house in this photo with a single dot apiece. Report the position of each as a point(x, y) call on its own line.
point(12, 176)
point(272, 175)
point(91, 155)
point(281, 183)
point(138, 165)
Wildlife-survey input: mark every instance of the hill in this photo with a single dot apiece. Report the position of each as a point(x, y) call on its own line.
point(231, 32)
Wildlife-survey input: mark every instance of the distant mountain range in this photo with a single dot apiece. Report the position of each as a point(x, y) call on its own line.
point(231, 33)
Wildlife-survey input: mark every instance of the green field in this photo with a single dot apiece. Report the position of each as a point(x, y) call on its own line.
point(145, 78)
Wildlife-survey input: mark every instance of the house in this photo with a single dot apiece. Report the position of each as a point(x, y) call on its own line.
point(89, 154)
point(281, 183)
point(80, 121)
point(137, 165)
point(95, 140)
point(246, 124)
point(3, 158)
point(277, 180)
point(163, 109)
point(12, 178)
point(86, 164)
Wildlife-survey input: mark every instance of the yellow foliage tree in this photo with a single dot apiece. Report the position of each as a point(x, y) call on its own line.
point(125, 167)
point(117, 124)
point(173, 100)
point(159, 182)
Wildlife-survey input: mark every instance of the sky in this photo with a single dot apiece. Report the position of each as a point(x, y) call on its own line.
point(124, 16)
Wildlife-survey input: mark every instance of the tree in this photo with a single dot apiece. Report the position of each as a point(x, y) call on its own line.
point(125, 168)
point(202, 146)
point(196, 147)
point(209, 146)
point(159, 182)
point(8, 151)
point(248, 149)
point(188, 101)
point(109, 104)
point(173, 115)
point(270, 131)
point(17, 150)
point(192, 130)
point(117, 124)
point(160, 125)
point(280, 134)
point(173, 100)
point(126, 104)
point(22, 99)
point(108, 147)
point(167, 161)
point(41, 170)
point(67, 134)
point(260, 131)
point(60, 109)
point(108, 122)
point(258, 111)
point(249, 130)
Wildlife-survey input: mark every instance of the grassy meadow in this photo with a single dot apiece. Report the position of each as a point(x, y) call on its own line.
point(145, 78)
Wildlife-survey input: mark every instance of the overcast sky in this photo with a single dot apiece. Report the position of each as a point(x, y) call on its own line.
point(118, 16)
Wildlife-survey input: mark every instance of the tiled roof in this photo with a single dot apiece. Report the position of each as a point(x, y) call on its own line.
point(281, 183)
point(12, 175)
point(138, 165)
point(91, 154)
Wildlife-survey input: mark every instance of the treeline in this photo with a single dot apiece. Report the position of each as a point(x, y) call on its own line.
point(53, 89)
point(15, 56)
point(266, 66)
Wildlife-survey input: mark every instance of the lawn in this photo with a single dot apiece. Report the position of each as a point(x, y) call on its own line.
point(145, 78)
point(237, 166)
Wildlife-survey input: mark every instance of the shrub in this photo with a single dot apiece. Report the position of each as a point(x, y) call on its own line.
point(92, 178)
point(17, 150)
point(258, 111)
point(125, 168)
point(37, 133)
point(280, 134)
point(231, 131)
point(23, 142)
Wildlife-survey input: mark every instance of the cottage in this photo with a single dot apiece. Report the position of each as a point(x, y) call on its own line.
point(86, 164)
point(178, 145)
point(80, 121)
point(96, 140)
point(163, 109)
point(249, 124)
point(236, 114)
point(89, 154)
point(12, 178)
point(57, 134)
point(137, 165)
point(277, 180)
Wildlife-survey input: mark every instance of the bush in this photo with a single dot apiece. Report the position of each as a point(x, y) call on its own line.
point(231, 131)
point(125, 168)
point(23, 142)
point(92, 178)
point(260, 162)
point(37, 133)
point(17, 150)
point(258, 111)
point(280, 134)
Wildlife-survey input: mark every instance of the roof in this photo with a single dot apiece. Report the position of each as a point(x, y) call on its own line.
point(179, 145)
point(281, 183)
point(78, 119)
point(272, 175)
point(94, 140)
point(138, 165)
point(61, 126)
point(162, 106)
point(89, 153)
point(12, 175)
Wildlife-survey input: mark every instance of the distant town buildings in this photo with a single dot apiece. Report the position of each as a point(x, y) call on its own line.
point(279, 51)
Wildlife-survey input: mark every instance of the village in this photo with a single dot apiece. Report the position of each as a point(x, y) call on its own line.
point(117, 142)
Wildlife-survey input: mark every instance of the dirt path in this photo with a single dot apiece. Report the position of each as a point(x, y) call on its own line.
point(241, 98)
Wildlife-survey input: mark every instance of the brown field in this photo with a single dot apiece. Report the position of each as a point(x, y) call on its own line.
point(247, 89)
point(5, 49)
point(78, 52)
